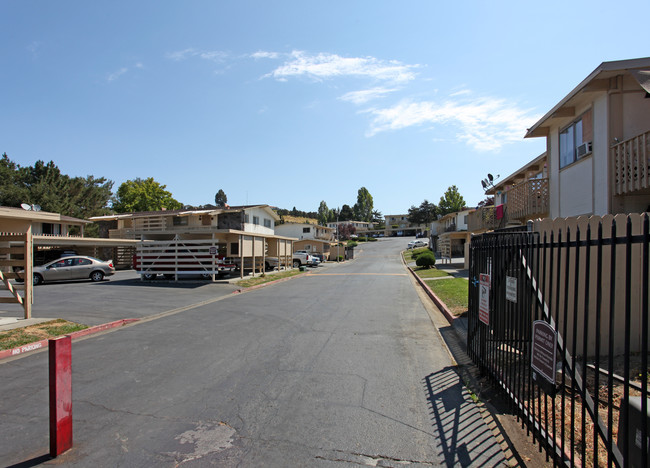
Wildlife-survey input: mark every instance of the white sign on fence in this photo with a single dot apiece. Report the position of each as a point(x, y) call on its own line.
point(484, 299)
point(511, 289)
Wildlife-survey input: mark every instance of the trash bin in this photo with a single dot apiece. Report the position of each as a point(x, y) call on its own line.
point(303, 268)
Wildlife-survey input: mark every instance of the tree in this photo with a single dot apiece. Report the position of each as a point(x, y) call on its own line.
point(451, 202)
point(377, 217)
point(426, 213)
point(488, 201)
point(346, 213)
point(44, 184)
point(363, 207)
point(346, 230)
point(323, 213)
point(220, 199)
point(143, 195)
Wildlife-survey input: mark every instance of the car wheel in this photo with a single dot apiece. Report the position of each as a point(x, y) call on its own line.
point(149, 276)
point(206, 275)
point(38, 279)
point(296, 263)
point(97, 276)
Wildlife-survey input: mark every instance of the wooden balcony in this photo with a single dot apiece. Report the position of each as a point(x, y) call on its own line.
point(484, 219)
point(631, 164)
point(528, 200)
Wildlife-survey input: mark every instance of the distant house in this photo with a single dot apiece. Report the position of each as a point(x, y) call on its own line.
point(358, 225)
point(310, 237)
point(399, 225)
point(598, 143)
point(53, 233)
point(451, 234)
point(236, 231)
point(43, 223)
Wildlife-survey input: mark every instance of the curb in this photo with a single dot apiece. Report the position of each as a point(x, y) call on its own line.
point(78, 334)
point(436, 300)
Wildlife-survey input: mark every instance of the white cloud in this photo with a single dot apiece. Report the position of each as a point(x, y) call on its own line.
point(323, 66)
point(212, 55)
point(263, 54)
point(366, 95)
point(115, 75)
point(487, 124)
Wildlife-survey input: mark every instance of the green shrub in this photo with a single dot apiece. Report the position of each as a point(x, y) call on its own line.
point(341, 258)
point(352, 244)
point(415, 253)
point(426, 259)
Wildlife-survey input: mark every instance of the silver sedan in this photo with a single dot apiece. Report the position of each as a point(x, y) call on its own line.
point(72, 268)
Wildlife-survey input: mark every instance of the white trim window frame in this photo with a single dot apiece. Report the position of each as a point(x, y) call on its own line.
point(569, 140)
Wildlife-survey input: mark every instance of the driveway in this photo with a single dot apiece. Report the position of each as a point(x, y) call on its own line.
point(338, 367)
point(121, 296)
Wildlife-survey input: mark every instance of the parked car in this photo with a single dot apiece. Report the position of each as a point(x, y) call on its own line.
point(72, 268)
point(302, 258)
point(418, 243)
point(320, 257)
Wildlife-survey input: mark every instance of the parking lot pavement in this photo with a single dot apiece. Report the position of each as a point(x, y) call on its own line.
point(122, 296)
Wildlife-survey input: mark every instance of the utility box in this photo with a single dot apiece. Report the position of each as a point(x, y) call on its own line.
point(635, 432)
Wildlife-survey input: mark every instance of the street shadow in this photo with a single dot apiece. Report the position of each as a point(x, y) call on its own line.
point(464, 439)
point(33, 462)
point(482, 388)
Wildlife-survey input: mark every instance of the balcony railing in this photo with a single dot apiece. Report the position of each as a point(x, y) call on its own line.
point(528, 199)
point(131, 233)
point(631, 164)
point(484, 219)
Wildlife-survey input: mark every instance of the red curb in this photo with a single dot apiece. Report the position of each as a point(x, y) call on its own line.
point(78, 334)
point(437, 301)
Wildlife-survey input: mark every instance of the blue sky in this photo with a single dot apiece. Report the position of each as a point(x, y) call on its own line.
point(292, 102)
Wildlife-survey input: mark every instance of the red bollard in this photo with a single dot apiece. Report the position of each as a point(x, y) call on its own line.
point(60, 351)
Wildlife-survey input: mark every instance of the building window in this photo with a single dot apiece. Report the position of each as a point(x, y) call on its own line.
point(256, 220)
point(574, 136)
point(179, 221)
point(306, 229)
point(465, 219)
point(246, 219)
point(267, 222)
point(234, 248)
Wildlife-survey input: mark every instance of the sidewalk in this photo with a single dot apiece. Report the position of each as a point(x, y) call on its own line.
point(517, 446)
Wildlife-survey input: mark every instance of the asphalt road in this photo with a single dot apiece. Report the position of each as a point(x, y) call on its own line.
point(339, 367)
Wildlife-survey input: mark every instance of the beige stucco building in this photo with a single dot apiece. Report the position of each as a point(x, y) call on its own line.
point(598, 143)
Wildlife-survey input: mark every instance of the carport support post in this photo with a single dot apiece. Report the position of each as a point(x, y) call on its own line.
point(60, 353)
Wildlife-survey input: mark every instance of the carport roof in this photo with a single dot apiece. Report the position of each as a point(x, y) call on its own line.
point(39, 216)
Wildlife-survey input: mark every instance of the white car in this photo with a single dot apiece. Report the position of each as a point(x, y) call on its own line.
point(418, 243)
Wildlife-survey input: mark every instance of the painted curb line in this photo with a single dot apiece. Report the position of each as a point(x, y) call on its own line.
point(78, 334)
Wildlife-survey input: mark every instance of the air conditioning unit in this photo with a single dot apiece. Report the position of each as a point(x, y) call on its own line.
point(584, 149)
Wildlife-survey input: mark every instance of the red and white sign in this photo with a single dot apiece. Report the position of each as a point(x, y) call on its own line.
point(484, 299)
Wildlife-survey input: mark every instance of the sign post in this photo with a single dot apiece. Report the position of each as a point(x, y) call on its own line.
point(60, 362)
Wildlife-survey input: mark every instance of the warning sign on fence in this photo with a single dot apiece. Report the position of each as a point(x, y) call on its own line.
point(484, 299)
point(543, 353)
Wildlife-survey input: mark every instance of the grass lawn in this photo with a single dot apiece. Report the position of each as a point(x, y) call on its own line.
point(453, 292)
point(17, 337)
point(408, 254)
point(425, 273)
point(247, 283)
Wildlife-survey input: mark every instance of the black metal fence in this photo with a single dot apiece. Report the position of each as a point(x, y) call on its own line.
point(558, 319)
